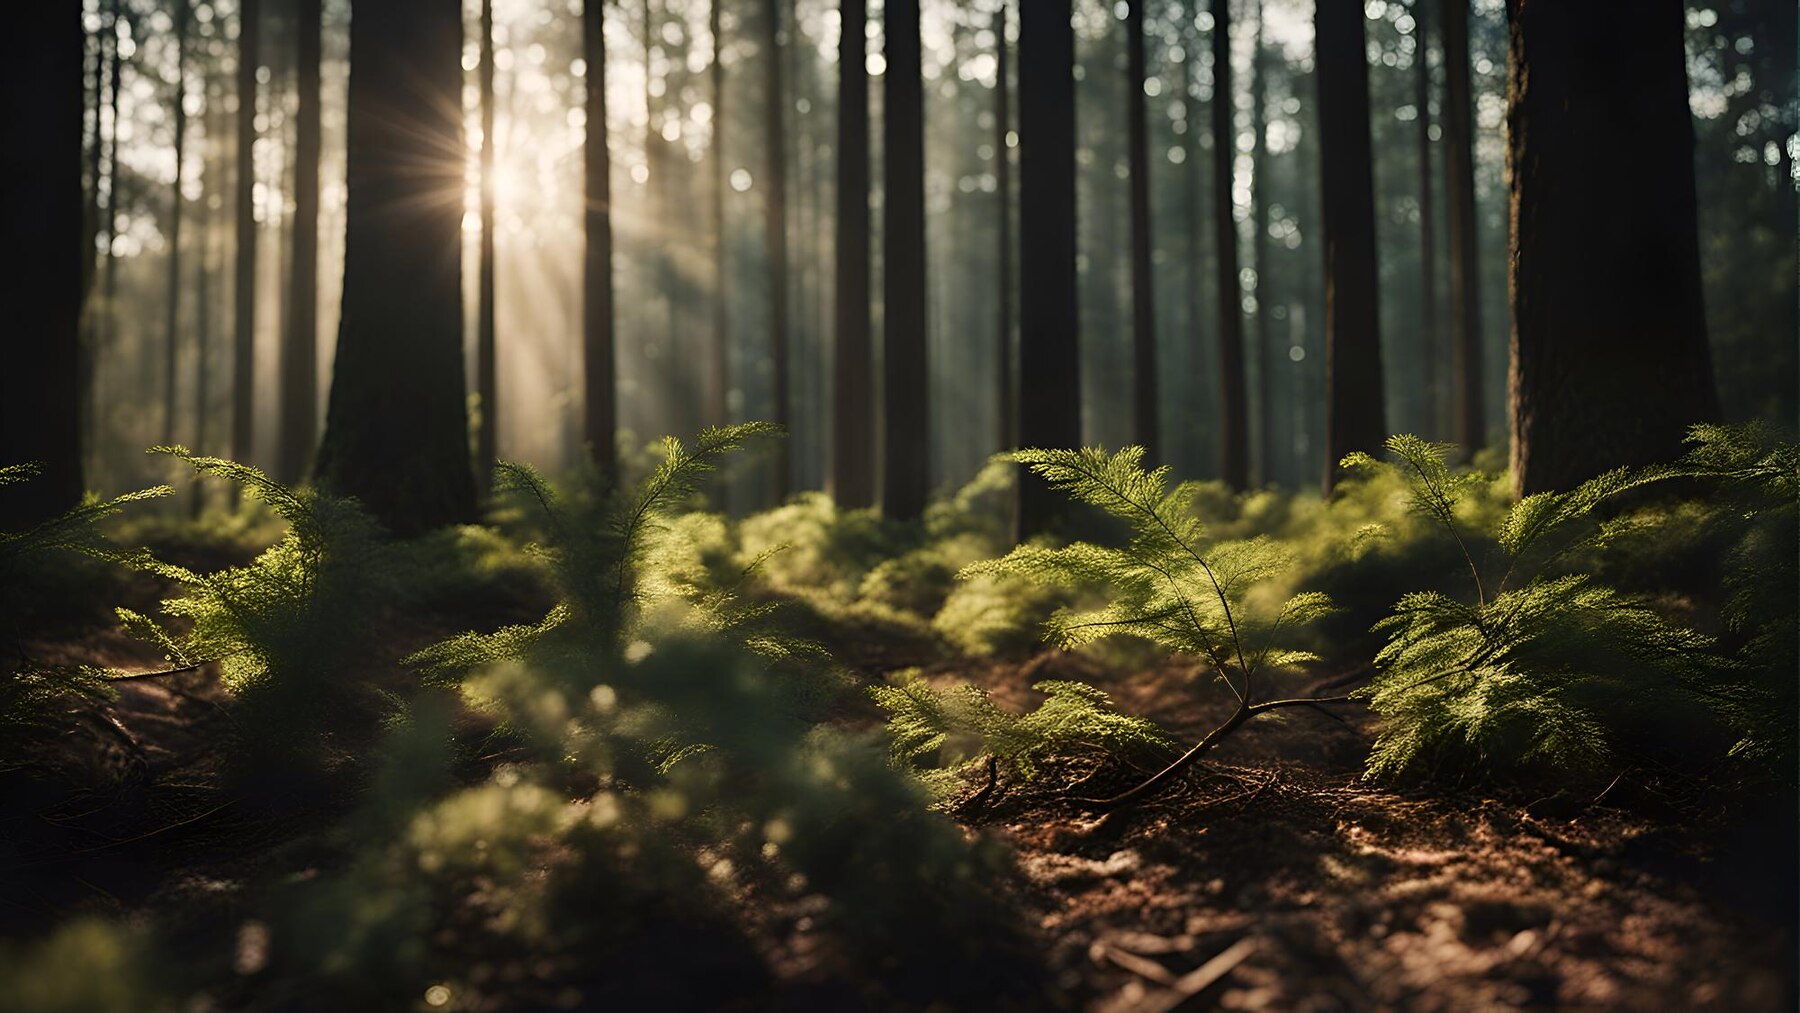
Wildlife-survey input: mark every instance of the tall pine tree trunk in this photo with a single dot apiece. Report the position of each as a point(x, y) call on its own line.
point(1005, 361)
point(172, 305)
point(1234, 417)
point(1259, 253)
point(599, 359)
point(299, 361)
point(41, 211)
point(1049, 343)
point(775, 233)
point(1193, 200)
point(718, 351)
point(853, 434)
point(1610, 363)
point(487, 384)
point(906, 438)
point(1462, 234)
point(1354, 402)
point(1428, 331)
point(1146, 403)
point(102, 319)
point(396, 433)
point(243, 362)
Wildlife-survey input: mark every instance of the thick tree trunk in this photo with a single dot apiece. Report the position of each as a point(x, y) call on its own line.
point(1146, 404)
point(853, 436)
point(906, 438)
point(1463, 230)
point(1005, 361)
point(177, 204)
point(299, 361)
point(1610, 363)
point(1428, 330)
point(41, 211)
point(1049, 344)
point(718, 374)
point(1234, 409)
point(775, 234)
point(487, 384)
point(1354, 403)
point(599, 358)
point(243, 367)
point(396, 433)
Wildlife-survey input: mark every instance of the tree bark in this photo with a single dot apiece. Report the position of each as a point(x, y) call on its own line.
point(599, 357)
point(1234, 417)
point(1005, 361)
point(1146, 403)
point(853, 436)
point(1463, 230)
point(775, 236)
point(299, 365)
point(1428, 330)
point(41, 211)
point(172, 304)
point(1354, 402)
point(396, 434)
point(1610, 363)
point(243, 368)
point(1049, 343)
point(906, 438)
point(487, 384)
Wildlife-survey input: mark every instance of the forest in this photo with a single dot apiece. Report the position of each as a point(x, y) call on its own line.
point(978, 505)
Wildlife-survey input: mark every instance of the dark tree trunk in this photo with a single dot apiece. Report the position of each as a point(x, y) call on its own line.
point(775, 234)
point(243, 361)
point(299, 361)
point(718, 374)
point(599, 359)
point(1146, 406)
point(203, 291)
point(1428, 330)
point(172, 305)
point(1259, 252)
point(1353, 396)
point(396, 434)
point(94, 89)
point(853, 435)
point(487, 384)
point(101, 324)
point(1463, 236)
point(41, 211)
point(905, 478)
point(1610, 363)
point(1234, 417)
point(1005, 360)
point(1049, 344)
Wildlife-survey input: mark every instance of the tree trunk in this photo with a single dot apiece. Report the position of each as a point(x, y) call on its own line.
point(1234, 418)
point(1049, 344)
point(1193, 417)
point(102, 323)
point(1004, 358)
point(487, 386)
point(599, 358)
point(1353, 395)
point(1428, 331)
point(396, 433)
point(203, 291)
point(853, 435)
point(775, 234)
point(1146, 403)
point(41, 211)
point(1259, 252)
point(1610, 363)
point(243, 368)
point(299, 361)
point(718, 375)
point(1463, 230)
point(905, 478)
point(172, 305)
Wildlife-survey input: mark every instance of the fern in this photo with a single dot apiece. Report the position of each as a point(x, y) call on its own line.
point(1544, 669)
point(1168, 584)
point(944, 734)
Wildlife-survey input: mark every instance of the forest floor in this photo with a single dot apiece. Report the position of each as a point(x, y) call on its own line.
point(1270, 877)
